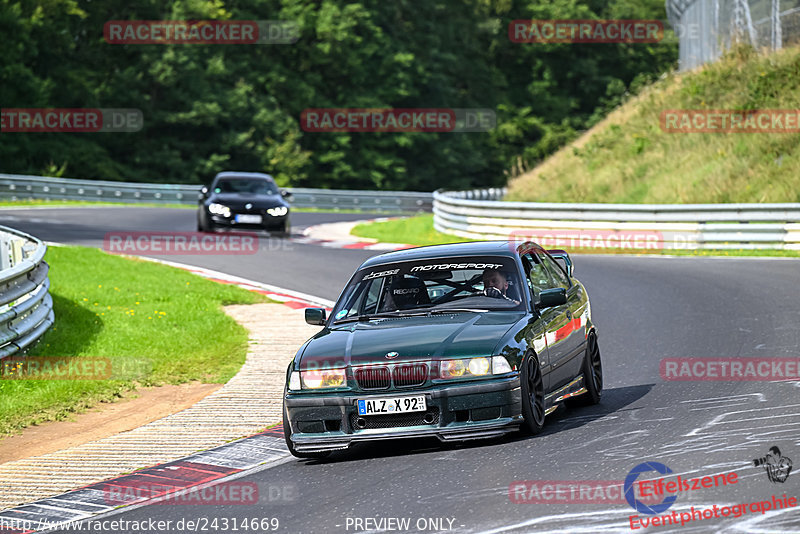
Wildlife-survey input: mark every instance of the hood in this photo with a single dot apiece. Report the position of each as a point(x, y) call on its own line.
point(413, 338)
point(238, 200)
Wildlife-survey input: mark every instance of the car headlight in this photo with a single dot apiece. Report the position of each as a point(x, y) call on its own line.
point(279, 211)
point(323, 378)
point(219, 209)
point(471, 367)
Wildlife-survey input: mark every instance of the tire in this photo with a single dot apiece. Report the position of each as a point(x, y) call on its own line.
point(592, 369)
point(202, 227)
point(287, 435)
point(532, 386)
point(285, 230)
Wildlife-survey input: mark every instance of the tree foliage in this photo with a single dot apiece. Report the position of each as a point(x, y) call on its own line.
point(209, 108)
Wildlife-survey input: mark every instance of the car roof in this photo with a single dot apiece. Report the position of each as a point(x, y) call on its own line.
point(481, 248)
point(238, 174)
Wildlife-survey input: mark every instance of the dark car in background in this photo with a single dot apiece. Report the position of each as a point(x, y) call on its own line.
point(245, 201)
point(458, 342)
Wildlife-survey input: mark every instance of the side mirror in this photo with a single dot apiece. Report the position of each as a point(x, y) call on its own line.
point(552, 297)
point(315, 316)
point(203, 193)
point(286, 194)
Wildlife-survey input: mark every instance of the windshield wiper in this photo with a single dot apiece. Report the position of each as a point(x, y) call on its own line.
point(450, 310)
point(369, 317)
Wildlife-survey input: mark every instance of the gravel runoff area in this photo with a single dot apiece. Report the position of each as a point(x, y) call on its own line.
point(247, 404)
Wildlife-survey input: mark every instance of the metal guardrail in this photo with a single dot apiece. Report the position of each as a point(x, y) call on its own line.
point(21, 187)
point(481, 215)
point(26, 307)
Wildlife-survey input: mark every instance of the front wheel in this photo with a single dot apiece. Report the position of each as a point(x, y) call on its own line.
point(287, 435)
point(203, 227)
point(285, 230)
point(532, 386)
point(592, 374)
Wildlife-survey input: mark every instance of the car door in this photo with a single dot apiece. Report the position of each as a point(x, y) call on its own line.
point(554, 321)
point(570, 335)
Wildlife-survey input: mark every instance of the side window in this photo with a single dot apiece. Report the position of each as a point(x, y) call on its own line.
point(538, 277)
point(555, 272)
point(361, 301)
point(371, 299)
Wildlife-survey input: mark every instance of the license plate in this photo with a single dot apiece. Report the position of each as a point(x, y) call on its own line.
point(391, 405)
point(249, 219)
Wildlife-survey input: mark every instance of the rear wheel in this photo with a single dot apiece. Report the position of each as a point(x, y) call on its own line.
point(287, 435)
point(592, 374)
point(532, 387)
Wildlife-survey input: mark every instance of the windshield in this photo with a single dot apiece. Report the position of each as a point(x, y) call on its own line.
point(464, 283)
point(253, 186)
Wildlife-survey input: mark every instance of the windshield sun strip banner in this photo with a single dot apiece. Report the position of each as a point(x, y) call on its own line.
point(421, 267)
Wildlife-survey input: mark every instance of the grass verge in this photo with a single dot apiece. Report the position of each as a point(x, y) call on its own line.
point(164, 323)
point(419, 231)
point(629, 158)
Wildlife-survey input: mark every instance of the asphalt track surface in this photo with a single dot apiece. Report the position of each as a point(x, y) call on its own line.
point(645, 309)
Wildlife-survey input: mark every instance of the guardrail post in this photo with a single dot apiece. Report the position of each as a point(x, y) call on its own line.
point(16, 251)
point(5, 256)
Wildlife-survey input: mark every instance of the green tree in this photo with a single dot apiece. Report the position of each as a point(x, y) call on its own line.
point(209, 108)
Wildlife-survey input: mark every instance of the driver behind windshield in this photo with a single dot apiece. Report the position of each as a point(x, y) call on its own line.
point(495, 284)
point(434, 284)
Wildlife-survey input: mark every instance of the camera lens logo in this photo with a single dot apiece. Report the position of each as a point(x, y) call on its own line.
point(777, 467)
point(638, 505)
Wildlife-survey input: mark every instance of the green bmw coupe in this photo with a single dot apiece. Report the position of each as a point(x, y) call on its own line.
point(461, 341)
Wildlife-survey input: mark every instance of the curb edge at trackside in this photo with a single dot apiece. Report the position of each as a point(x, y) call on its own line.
point(220, 464)
point(337, 235)
point(226, 462)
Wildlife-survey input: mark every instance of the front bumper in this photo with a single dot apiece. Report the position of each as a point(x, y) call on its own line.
point(475, 410)
point(267, 221)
